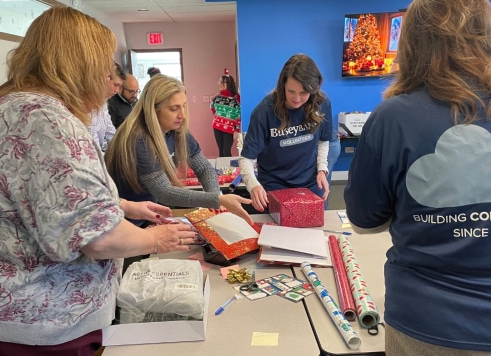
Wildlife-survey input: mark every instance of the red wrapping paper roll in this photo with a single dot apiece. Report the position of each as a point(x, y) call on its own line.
point(347, 304)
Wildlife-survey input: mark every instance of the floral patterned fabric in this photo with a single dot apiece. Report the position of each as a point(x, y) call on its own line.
point(101, 127)
point(55, 197)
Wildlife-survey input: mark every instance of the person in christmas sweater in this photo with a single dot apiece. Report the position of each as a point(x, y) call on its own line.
point(289, 135)
point(421, 170)
point(226, 109)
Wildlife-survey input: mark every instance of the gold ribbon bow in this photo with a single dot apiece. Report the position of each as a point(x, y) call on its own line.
point(241, 276)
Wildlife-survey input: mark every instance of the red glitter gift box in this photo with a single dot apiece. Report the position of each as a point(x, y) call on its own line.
point(296, 207)
point(229, 252)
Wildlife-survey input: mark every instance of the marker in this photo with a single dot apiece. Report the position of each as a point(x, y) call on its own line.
point(225, 305)
point(347, 233)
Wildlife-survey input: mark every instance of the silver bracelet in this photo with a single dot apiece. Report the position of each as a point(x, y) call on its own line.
point(157, 245)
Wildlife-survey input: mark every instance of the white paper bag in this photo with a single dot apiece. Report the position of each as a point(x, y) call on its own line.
point(161, 287)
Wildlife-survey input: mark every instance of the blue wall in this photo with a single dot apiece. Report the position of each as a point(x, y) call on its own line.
point(270, 31)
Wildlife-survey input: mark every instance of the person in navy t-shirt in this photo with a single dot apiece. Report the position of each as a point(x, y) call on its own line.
point(422, 168)
point(289, 135)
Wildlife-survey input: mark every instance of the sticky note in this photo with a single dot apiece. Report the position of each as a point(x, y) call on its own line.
point(197, 256)
point(264, 339)
point(205, 266)
point(343, 217)
point(224, 270)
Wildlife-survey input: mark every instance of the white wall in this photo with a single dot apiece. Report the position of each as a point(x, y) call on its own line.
point(5, 47)
point(207, 48)
point(114, 26)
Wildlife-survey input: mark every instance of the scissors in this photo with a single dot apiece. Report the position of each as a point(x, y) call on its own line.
point(373, 330)
point(250, 286)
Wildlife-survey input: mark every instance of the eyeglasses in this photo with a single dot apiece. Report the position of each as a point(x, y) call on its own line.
point(132, 92)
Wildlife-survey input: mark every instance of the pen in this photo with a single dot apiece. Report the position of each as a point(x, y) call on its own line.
point(347, 233)
point(225, 305)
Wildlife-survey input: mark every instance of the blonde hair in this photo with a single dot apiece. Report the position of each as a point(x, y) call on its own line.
point(142, 124)
point(445, 46)
point(66, 54)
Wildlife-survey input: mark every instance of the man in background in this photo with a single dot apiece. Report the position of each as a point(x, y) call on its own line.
point(101, 126)
point(153, 71)
point(121, 104)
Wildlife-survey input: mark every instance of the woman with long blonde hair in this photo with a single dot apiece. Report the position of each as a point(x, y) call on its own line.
point(62, 225)
point(153, 148)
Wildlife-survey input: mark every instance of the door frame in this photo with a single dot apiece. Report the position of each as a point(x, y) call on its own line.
point(132, 52)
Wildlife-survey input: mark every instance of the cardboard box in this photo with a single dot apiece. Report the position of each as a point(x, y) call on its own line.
point(296, 207)
point(159, 332)
point(348, 148)
point(353, 122)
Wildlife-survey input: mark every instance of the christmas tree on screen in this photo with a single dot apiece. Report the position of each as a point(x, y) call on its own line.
point(366, 50)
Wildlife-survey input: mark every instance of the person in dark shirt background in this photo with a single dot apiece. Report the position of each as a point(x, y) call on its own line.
point(121, 103)
point(153, 71)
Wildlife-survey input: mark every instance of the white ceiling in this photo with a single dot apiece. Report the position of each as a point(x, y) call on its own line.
point(164, 10)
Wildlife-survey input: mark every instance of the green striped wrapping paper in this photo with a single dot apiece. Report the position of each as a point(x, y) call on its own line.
point(368, 314)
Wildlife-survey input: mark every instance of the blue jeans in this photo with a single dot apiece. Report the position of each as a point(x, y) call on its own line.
point(332, 157)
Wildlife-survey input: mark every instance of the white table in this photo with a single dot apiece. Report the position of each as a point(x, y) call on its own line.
point(370, 253)
point(230, 333)
point(304, 328)
point(224, 162)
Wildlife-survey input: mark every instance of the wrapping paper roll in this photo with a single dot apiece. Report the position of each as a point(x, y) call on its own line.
point(235, 183)
point(346, 302)
point(337, 317)
point(365, 307)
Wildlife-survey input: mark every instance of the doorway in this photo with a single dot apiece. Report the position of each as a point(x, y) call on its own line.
point(169, 61)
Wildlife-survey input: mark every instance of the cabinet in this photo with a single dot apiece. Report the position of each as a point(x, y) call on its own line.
point(348, 147)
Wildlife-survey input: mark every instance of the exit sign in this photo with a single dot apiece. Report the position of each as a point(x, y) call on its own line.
point(155, 38)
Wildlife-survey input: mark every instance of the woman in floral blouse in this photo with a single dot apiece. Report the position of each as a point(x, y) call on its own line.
point(62, 226)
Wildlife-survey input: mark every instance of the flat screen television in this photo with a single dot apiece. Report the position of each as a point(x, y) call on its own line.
point(370, 44)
